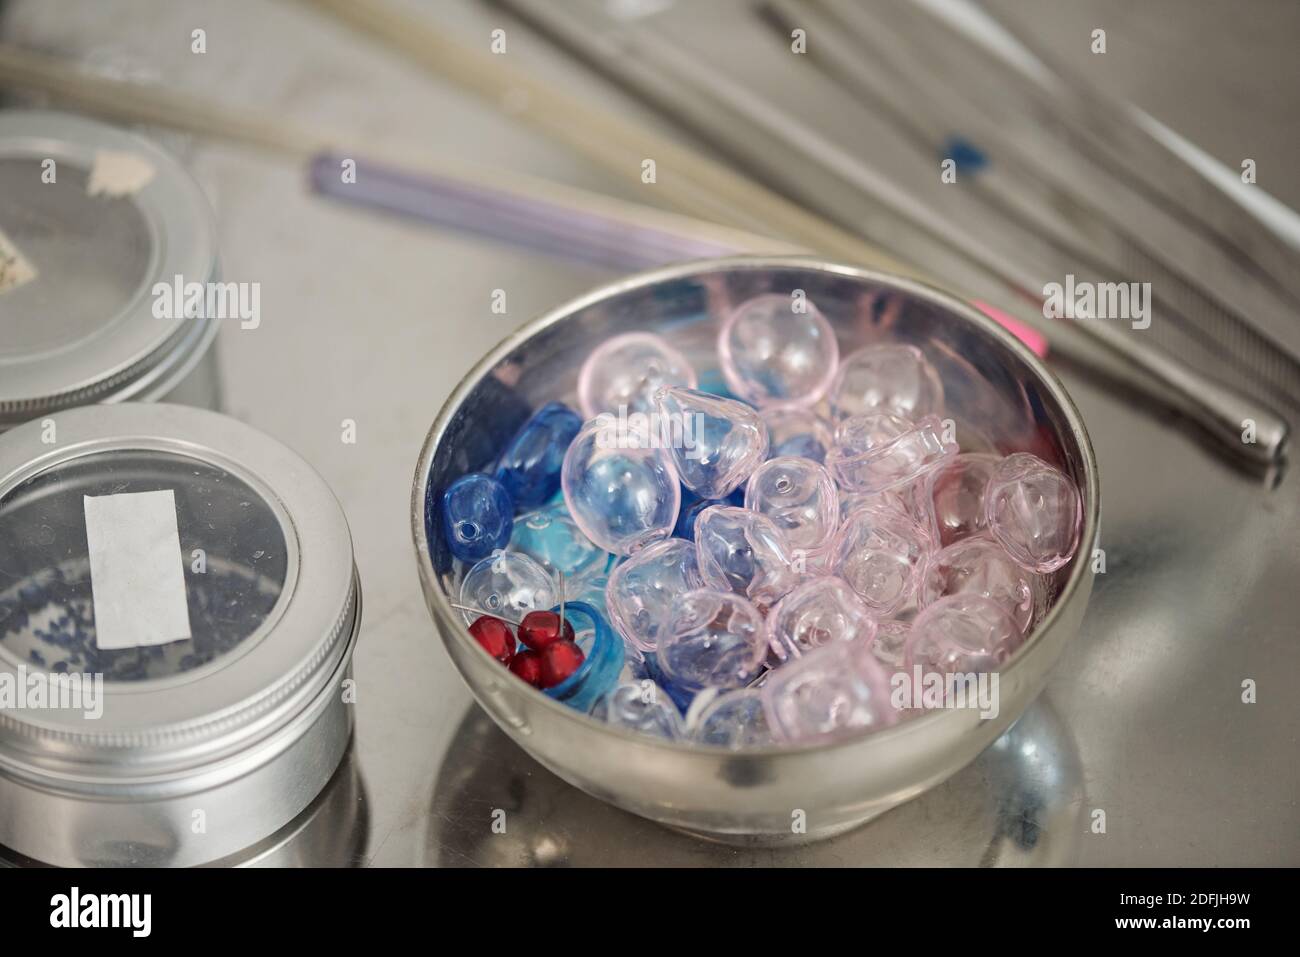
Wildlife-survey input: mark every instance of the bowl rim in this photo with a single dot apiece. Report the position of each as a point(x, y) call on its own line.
point(443, 613)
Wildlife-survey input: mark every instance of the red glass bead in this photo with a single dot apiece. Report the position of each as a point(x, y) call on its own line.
point(541, 629)
point(495, 636)
point(527, 665)
point(559, 661)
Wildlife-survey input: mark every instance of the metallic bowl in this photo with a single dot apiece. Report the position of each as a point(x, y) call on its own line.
point(1001, 397)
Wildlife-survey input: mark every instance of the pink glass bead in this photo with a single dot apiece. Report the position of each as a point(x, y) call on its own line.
point(893, 378)
point(979, 566)
point(876, 452)
point(794, 430)
point(744, 552)
point(627, 370)
point(772, 354)
point(961, 634)
point(891, 643)
point(880, 553)
point(818, 612)
point(800, 497)
point(621, 490)
point(957, 496)
point(1034, 512)
point(833, 691)
point(711, 639)
point(715, 443)
point(641, 590)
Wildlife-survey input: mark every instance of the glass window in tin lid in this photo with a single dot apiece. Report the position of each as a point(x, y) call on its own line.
point(232, 546)
point(69, 261)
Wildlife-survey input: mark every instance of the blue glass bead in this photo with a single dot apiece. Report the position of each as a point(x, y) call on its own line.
point(477, 516)
point(552, 538)
point(600, 670)
point(529, 467)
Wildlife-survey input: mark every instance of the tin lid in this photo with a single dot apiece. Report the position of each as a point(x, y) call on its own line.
point(91, 219)
point(270, 600)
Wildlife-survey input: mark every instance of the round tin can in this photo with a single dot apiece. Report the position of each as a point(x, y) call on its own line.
point(168, 748)
point(92, 220)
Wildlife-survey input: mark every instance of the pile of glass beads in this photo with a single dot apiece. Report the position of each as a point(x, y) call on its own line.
point(748, 566)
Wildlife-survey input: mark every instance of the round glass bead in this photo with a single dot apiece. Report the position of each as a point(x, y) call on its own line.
point(626, 371)
point(711, 639)
point(1033, 511)
point(622, 491)
point(820, 611)
point(800, 497)
point(507, 585)
point(642, 588)
point(891, 378)
point(777, 349)
point(477, 516)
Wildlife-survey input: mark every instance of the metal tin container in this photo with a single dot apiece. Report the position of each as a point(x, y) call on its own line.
point(203, 746)
point(91, 219)
point(997, 391)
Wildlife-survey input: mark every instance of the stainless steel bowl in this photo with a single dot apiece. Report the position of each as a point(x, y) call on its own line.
point(1001, 397)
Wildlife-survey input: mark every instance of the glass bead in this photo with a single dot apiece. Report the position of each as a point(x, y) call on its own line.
point(961, 634)
point(626, 371)
point(800, 497)
point(715, 443)
point(507, 585)
point(957, 496)
point(891, 378)
point(881, 451)
point(1034, 511)
point(831, 692)
point(553, 539)
point(622, 492)
point(529, 468)
point(979, 566)
point(880, 553)
point(477, 516)
point(711, 639)
point(744, 552)
point(820, 611)
point(775, 349)
point(641, 590)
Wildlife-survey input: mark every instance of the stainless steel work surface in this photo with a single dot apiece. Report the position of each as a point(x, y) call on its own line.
point(372, 320)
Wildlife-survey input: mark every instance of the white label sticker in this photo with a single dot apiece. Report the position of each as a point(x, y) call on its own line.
point(15, 269)
point(137, 576)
